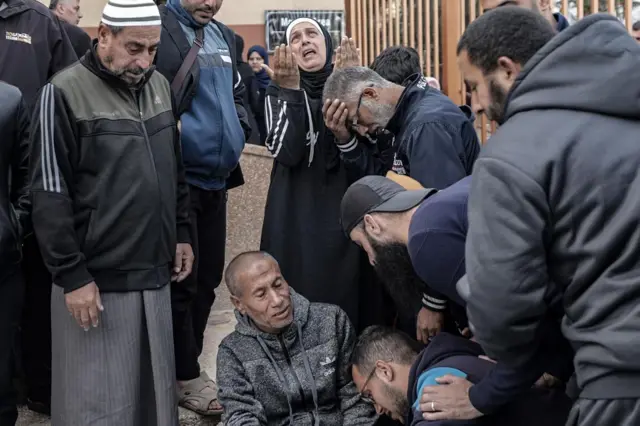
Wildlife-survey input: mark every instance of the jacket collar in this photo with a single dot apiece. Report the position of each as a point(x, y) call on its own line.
point(416, 88)
point(14, 7)
point(94, 64)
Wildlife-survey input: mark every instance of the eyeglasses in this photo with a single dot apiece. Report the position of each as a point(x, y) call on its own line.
point(356, 117)
point(363, 397)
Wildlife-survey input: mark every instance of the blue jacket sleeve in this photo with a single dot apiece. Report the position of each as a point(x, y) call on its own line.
point(438, 258)
point(434, 160)
point(361, 159)
point(502, 385)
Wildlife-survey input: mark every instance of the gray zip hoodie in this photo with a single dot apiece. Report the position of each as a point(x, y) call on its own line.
point(298, 377)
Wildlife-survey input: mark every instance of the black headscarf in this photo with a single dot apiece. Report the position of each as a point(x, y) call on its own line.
point(313, 82)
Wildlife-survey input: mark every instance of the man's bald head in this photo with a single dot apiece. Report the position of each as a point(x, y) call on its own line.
point(259, 291)
point(245, 263)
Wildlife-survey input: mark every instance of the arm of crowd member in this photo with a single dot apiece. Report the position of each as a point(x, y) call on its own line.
point(239, 90)
point(354, 410)
point(433, 158)
point(506, 281)
point(183, 261)
point(182, 197)
point(287, 125)
point(20, 170)
point(53, 154)
point(503, 384)
point(62, 53)
point(361, 159)
point(235, 392)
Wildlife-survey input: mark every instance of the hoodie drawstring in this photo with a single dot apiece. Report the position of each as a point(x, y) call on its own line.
point(307, 367)
point(279, 373)
point(312, 136)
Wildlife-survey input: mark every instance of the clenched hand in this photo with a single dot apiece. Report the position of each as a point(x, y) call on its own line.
point(85, 304)
point(182, 263)
point(428, 324)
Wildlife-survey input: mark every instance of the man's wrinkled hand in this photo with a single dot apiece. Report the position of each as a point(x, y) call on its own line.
point(449, 400)
point(428, 324)
point(182, 263)
point(335, 118)
point(85, 305)
point(347, 54)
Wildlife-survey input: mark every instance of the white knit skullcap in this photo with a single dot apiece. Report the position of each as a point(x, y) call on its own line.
point(131, 13)
point(300, 21)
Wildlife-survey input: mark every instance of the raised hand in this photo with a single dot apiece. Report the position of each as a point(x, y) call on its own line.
point(285, 68)
point(347, 54)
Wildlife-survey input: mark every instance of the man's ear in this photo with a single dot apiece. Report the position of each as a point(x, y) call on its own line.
point(371, 93)
point(544, 5)
point(103, 34)
point(509, 68)
point(384, 371)
point(371, 225)
point(237, 304)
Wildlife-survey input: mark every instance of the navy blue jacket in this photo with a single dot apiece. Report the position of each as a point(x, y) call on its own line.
point(172, 51)
point(437, 236)
point(436, 142)
point(449, 354)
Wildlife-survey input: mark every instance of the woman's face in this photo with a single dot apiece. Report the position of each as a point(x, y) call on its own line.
point(256, 61)
point(309, 46)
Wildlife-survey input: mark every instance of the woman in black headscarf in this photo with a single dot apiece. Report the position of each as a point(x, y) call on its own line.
point(301, 226)
point(259, 60)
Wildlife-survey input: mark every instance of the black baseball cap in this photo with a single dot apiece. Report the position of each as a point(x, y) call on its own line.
point(377, 194)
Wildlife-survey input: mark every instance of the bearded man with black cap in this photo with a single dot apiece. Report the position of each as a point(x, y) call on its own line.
point(301, 224)
point(110, 213)
point(416, 238)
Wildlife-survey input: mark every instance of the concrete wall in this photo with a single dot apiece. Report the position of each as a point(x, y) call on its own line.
point(246, 17)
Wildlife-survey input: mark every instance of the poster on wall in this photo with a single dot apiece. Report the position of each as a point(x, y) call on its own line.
point(276, 22)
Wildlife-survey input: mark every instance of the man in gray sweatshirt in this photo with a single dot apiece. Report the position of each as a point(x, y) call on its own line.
point(287, 362)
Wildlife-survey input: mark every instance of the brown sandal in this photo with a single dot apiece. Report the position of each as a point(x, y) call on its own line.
point(198, 395)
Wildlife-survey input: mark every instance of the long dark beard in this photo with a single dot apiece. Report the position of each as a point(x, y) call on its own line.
point(393, 266)
point(496, 110)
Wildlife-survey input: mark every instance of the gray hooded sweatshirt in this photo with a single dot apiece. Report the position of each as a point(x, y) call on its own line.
point(554, 210)
point(299, 377)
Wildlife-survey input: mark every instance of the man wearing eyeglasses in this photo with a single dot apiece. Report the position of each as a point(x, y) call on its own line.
point(390, 371)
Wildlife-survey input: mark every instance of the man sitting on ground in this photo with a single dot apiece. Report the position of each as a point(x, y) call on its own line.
point(287, 362)
point(390, 372)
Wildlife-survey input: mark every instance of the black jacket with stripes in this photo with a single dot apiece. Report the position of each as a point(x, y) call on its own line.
point(108, 191)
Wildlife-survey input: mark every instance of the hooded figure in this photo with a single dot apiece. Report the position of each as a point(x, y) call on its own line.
point(257, 57)
point(302, 217)
point(250, 98)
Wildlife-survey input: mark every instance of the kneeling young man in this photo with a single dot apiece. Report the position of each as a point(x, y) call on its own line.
point(287, 362)
point(390, 371)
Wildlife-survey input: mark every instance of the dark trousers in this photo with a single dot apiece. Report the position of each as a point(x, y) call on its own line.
point(35, 333)
point(11, 296)
point(191, 300)
point(605, 412)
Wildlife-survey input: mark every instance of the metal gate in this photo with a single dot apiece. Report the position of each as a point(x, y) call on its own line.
point(433, 28)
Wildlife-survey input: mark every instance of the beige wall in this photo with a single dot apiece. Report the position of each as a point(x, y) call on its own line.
point(233, 12)
point(251, 12)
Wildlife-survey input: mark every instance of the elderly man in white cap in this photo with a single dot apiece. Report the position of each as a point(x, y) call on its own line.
point(110, 212)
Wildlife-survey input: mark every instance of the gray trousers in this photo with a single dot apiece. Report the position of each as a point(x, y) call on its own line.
point(605, 412)
point(121, 373)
